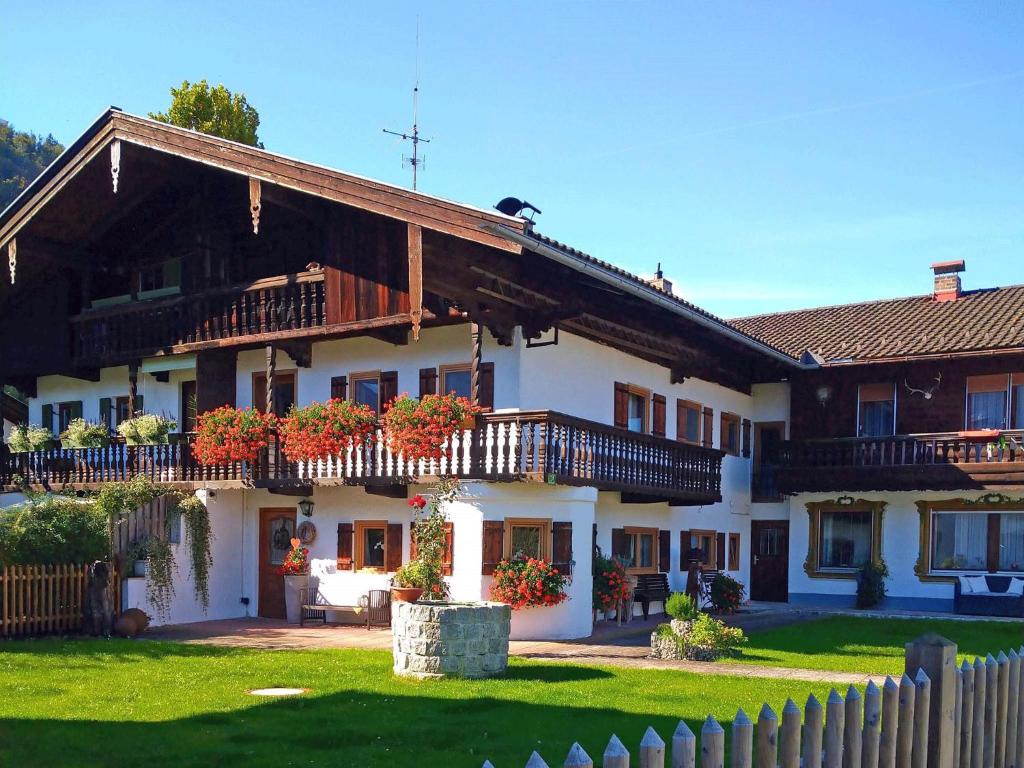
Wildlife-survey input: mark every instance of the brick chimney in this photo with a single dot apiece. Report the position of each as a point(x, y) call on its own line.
point(661, 282)
point(947, 280)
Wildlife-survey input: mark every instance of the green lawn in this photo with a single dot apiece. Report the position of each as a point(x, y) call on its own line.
point(89, 703)
point(854, 644)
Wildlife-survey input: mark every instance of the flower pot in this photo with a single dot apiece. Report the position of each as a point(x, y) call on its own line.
point(293, 586)
point(406, 594)
point(140, 568)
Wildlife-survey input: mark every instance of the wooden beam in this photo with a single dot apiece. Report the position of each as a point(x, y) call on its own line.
point(415, 237)
point(390, 490)
point(476, 335)
point(299, 350)
point(133, 386)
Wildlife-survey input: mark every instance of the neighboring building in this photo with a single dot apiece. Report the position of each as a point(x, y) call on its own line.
point(162, 270)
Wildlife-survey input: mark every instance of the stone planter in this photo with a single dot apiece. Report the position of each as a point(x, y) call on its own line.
point(438, 639)
point(293, 586)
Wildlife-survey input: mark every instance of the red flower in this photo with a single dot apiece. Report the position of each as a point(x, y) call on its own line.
point(417, 502)
point(527, 582)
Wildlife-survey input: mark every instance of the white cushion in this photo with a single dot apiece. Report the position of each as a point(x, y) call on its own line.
point(965, 586)
point(1016, 588)
point(979, 585)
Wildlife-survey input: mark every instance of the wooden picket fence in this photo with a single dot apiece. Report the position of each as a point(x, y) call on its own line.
point(46, 599)
point(942, 717)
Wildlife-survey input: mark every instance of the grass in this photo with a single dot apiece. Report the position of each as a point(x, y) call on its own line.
point(872, 646)
point(114, 703)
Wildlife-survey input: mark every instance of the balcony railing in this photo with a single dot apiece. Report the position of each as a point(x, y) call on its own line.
point(285, 303)
point(542, 446)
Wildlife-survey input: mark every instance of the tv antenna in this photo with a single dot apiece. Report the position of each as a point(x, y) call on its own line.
point(414, 136)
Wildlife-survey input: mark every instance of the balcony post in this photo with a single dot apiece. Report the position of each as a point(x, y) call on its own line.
point(133, 386)
point(476, 333)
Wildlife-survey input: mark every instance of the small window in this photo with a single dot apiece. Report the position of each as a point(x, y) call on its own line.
point(189, 406)
point(986, 401)
point(66, 413)
point(637, 409)
point(366, 389)
point(688, 421)
point(730, 437)
point(704, 541)
point(371, 544)
point(640, 551)
point(160, 279)
point(284, 392)
point(734, 551)
point(527, 537)
point(845, 538)
point(456, 379)
point(1017, 401)
point(121, 412)
point(876, 410)
point(174, 527)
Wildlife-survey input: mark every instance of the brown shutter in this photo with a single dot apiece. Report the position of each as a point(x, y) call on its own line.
point(561, 547)
point(621, 405)
point(664, 551)
point(494, 542)
point(448, 559)
point(48, 417)
point(618, 542)
point(106, 412)
point(339, 387)
point(684, 547)
point(746, 438)
point(658, 408)
point(487, 386)
point(412, 541)
point(594, 542)
point(428, 381)
point(720, 561)
point(345, 536)
point(709, 426)
point(388, 389)
point(394, 547)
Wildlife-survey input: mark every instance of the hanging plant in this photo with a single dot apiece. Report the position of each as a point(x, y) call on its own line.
point(196, 518)
point(320, 430)
point(85, 434)
point(423, 429)
point(226, 435)
point(527, 582)
point(24, 438)
point(160, 575)
point(146, 429)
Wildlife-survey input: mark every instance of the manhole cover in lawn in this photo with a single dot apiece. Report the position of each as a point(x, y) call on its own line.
point(277, 691)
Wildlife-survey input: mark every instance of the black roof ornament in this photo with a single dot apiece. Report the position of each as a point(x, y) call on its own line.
point(513, 206)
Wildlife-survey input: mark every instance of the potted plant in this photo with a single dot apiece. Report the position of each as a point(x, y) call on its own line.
point(611, 585)
point(295, 570)
point(85, 434)
point(24, 438)
point(409, 581)
point(226, 435)
point(423, 428)
point(146, 429)
point(320, 430)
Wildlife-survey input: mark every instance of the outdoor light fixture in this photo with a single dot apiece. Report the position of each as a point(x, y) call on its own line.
point(824, 394)
point(306, 507)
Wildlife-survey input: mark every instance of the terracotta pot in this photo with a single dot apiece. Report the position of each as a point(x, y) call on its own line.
point(406, 594)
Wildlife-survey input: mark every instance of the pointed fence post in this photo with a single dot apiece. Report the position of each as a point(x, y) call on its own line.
point(921, 711)
point(615, 754)
point(958, 713)
point(937, 657)
point(1002, 703)
point(978, 736)
point(652, 750)
point(966, 713)
point(1019, 751)
point(835, 726)
point(684, 747)
point(890, 724)
point(905, 733)
point(789, 756)
point(852, 729)
point(577, 758)
point(712, 744)
point(813, 716)
point(872, 725)
point(536, 761)
point(767, 738)
point(1012, 709)
point(742, 741)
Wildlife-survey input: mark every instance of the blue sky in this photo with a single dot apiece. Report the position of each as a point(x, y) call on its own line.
point(770, 155)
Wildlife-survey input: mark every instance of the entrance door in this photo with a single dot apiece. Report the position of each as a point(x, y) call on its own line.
point(277, 528)
point(769, 560)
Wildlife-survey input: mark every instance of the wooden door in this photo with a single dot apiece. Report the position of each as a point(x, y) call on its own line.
point(769, 560)
point(277, 528)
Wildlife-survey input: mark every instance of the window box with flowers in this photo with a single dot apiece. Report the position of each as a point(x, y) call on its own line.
point(422, 429)
point(527, 582)
point(321, 430)
point(295, 570)
point(227, 435)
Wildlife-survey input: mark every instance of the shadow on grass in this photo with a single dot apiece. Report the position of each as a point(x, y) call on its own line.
point(82, 647)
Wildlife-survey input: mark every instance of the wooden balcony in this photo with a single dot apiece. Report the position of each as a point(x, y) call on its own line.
point(284, 305)
point(935, 461)
point(539, 446)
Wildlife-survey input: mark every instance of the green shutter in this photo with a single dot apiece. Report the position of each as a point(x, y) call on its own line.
point(76, 409)
point(105, 411)
point(138, 406)
point(48, 416)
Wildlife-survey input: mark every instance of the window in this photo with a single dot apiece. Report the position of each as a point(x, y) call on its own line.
point(66, 413)
point(160, 279)
point(121, 412)
point(284, 391)
point(636, 413)
point(640, 546)
point(876, 410)
point(845, 538)
point(1017, 401)
point(188, 406)
point(371, 544)
point(366, 389)
point(734, 551)
point(771, 542)
point(456, 378)
point(705, 542)
point(688, 421)
point(527, 537)
point(961, 541)
point(730, 436)
point(986, 401)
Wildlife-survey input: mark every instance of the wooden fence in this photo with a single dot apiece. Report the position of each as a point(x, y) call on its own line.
point(45, 599)
point(937, 716)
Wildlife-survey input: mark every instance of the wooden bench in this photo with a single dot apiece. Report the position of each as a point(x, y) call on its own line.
point(376, 603)
point(651, 586)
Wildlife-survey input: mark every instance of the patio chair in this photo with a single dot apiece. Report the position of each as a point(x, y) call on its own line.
point(378, 608)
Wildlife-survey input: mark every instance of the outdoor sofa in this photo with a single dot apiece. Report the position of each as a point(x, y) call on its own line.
point(1001, 596)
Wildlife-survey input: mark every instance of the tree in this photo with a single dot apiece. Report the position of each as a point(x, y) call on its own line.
point(215, 111)
point(23, 156)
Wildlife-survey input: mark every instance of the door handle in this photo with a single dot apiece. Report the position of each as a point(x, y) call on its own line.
point(755, 559)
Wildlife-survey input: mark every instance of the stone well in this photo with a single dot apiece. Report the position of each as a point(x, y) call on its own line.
point(434, 639)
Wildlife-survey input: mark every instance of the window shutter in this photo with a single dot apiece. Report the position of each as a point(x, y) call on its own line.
point(428, 381)
point(105, 412)
point(388, 389)
point(448, 559)
point(494, 542)
point(345, 536)
point(339, 387)
point(618, 542)
point(394, 547)
point(746, 438)
point(709, 426)
point(412, 540)
point(487, 386)
point(48, 416)
point(658, 408)
point(76, 409)
point(621, 405)
point(664, 551)
point(594, 541)
point(719, 551)
point(138, 406)
point(684, 547)
point(561, 547)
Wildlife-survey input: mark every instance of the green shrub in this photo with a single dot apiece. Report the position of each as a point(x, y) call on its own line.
point(871, 584)
point(726, 594)
point(25, 438)
point(710, 634)
point(53, 529)
point(85, 434)
point(681, 606)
